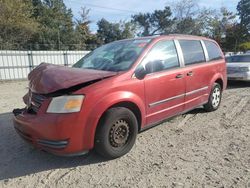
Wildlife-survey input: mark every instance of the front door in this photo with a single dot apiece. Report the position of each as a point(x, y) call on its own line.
point(164, 83)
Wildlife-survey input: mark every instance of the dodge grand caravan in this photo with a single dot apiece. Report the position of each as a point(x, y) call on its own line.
point(118, 90)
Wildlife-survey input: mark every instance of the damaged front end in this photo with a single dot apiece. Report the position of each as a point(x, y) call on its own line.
point(53, 108)
point(48, 81)
point(33, 101)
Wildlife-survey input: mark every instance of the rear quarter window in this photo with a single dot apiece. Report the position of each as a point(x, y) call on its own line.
point(192, 51)
point(213, 51)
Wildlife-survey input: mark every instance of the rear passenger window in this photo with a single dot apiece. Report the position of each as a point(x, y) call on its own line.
point(161, 57)
point(214, 52)
point(192, 51)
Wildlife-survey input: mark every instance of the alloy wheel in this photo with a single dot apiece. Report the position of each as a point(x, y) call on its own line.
point(216, 97)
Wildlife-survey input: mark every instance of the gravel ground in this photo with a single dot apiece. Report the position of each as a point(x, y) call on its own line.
point(196, 149)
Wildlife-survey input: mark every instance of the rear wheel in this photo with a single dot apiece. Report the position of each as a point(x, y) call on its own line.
point(214, 98)
point(116, 133)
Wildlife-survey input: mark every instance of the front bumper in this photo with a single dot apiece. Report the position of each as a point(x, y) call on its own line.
point(244, 76)
point(56, 133)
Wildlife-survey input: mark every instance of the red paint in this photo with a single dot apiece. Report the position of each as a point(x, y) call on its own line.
point(47, 78)
point(79, 128)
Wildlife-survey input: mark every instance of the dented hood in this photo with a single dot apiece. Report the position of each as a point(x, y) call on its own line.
point(48, 78)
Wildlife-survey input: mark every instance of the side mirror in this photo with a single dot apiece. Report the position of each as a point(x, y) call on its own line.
point(140, 72)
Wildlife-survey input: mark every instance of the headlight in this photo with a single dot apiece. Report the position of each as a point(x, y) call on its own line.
point(65, 104)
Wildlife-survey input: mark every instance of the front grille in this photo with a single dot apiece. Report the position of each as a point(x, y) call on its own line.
point(35, 102)
point(232, 70)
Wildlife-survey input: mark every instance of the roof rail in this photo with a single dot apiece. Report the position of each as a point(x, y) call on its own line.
point(183, 35)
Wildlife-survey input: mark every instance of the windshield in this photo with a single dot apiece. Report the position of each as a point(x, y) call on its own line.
point(115, 56)
point(238, 59)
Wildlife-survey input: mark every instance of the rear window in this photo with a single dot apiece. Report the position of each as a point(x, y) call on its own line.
point(239, 59)
point(214, 52)
point(192, 51)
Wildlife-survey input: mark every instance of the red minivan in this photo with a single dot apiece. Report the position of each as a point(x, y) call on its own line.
point(118, 90)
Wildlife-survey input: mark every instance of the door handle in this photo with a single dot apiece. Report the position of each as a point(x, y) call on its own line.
point(179, 76)
point(190, 73)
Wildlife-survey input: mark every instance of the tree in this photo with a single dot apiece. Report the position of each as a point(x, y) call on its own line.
point(158, 22)
point(185, 9)
point(16, 23)
point(243, 8)
point(142, 21)
point(233, 38)
point(56, 28)
point(189, 19)
point(203, 20)
point(221, 26)
point(186, 26)
point(244, 46)
point(83, 37)
point(108, 32)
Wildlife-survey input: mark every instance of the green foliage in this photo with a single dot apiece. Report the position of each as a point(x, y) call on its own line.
point(55, 25)
point(157, 22)
point(244, 13)
point(185, 14)
point(232, 38)
point(83, 36)
point(16, 23)
point(186, 26)
point(244, 46)
point(108, 32)
point(49, 25)
point(224, 29)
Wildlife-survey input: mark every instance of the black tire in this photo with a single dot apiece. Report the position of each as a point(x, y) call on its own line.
point(214, 100)
point(116, 133)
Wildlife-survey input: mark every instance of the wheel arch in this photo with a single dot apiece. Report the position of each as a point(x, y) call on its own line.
point(132, 107)
point(220, 81)
point(218, 78)
point(126, 104)
point(125, 99)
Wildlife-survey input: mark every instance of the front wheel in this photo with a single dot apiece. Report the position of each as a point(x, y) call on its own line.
point(214, 98)
point(116, 132)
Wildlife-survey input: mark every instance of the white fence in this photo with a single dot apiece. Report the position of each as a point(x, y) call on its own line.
point(17, 64)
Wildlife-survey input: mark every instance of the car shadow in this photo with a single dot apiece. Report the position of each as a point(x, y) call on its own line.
point(18, 158)
point(199, 110)
point(237, 84)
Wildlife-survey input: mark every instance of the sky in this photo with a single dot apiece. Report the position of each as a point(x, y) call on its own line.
point(116, 10)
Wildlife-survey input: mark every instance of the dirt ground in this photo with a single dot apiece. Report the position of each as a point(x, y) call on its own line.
point(196, 149)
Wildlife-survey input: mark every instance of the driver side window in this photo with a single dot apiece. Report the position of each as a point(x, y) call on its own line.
point(162, 56)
